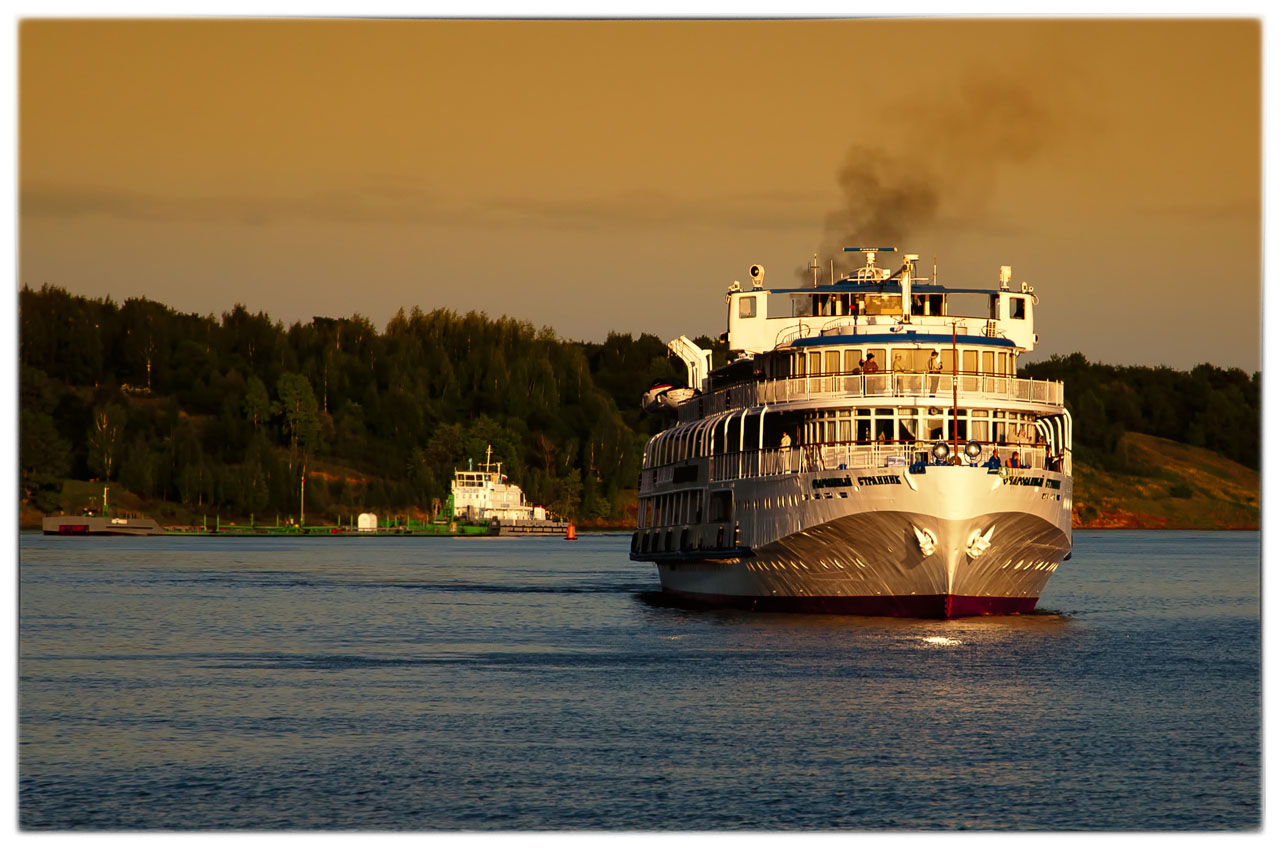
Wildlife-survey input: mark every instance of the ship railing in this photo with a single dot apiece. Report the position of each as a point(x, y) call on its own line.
point(850, 455)
point(969, 386)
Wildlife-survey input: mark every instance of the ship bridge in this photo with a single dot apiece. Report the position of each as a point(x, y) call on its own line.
point(878, 302)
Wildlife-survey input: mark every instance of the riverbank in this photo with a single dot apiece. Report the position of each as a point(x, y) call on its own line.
point(1163, 485)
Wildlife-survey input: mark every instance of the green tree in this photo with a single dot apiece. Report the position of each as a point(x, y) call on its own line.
point(258, 406)
point(106, 439)
point(44, 458)
point(302, 420)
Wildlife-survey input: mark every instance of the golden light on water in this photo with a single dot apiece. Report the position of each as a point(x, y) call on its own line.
point(941, 641)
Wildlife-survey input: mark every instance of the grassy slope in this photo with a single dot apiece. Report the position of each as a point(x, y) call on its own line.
point(1173, 486)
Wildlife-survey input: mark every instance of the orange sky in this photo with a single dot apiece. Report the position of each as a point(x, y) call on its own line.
point(617, 175)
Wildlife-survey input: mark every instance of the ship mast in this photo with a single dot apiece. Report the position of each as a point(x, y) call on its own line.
point(955, 363)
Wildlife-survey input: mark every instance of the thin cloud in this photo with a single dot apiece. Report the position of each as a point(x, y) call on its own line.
point(408, 204)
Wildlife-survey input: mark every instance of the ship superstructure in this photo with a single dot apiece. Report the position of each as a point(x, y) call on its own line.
point(870, 450)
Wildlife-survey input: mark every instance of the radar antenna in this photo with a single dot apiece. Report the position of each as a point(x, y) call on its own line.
point(870, 272)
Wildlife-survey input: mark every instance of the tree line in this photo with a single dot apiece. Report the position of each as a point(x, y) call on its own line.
point(1209, 407)
point(234, 413)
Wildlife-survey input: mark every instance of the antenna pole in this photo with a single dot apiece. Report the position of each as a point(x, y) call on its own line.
point(955, 363)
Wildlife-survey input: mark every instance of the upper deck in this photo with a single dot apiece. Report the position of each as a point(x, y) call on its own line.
point(876, 302)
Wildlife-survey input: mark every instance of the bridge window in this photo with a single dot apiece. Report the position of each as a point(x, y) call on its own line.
point(1017, 308)
point(747, 307)
point(883, 305)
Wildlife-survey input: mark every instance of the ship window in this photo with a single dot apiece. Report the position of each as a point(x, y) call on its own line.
point(719, 505)
point(981, 430)
point(917, 359)
point(815, 362)
point(884, 423)
point(883, 305)
point(833, 362)
point(880, 357)
point(851, 358)
point(988, 362)
point(1004, 363)
point(1017, 308)
point(969, 361)
point(747, 307)
point(948, 360)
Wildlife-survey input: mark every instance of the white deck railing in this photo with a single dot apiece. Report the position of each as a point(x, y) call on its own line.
point(968, 387)
point(823, 457)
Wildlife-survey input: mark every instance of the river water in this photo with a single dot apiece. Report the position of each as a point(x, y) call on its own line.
point(525, 684)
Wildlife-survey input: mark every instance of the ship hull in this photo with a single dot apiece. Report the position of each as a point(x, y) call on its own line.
point(956, 543)
point(99, 526)
point(940, 607)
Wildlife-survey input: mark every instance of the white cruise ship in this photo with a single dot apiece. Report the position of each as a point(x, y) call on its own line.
point(870, 450)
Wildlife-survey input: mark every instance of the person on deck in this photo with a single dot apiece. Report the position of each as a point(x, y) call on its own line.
point(935, 372)
point(993, 462)
point(870, 365)
point(1013, 461)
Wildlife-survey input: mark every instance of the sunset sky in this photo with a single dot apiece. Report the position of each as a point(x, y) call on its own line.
point(618, 175)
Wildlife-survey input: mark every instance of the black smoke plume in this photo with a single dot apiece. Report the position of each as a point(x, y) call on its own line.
point(942, 159)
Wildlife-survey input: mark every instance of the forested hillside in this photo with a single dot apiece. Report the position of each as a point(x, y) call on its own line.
point(229, 414)
point(1208, 407)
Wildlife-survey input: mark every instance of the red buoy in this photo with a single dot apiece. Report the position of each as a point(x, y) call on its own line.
point(570, 533)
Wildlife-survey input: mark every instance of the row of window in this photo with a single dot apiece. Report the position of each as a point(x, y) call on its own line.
point(866, 304)
point(684, 507)
point(851, 361)
point(844, 424)
point(916, 423)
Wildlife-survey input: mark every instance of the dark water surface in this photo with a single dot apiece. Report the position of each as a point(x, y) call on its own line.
point(530, 684)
